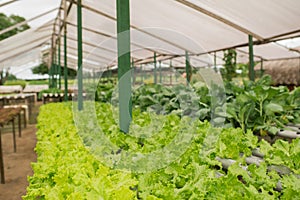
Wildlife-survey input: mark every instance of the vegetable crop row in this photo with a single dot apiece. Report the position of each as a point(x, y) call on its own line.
point(68, 167)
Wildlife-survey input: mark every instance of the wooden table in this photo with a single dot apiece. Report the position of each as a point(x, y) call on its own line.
point(8, 115)
point(18, 99)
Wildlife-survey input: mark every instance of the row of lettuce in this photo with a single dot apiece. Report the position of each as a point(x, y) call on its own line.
point(251, 105)
point(71, 165)
point(257, 106)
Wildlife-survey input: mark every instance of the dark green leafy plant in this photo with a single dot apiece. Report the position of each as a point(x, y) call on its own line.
point(182, 100)
point(261, 107)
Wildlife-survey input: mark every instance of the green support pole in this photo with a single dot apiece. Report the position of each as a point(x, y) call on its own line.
point(123, 29)
point(53, 75)
point(65, 54)
point(65, 65)
point(79, 69)
point(59, 64)
point(51, 72)
point(251, 60)
point(261, 67)
point(50, 76)
point(160, 73)
point(187, 68)
point(55, 70)
point(155, 72)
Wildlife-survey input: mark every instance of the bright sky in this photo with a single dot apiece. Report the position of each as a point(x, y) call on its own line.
point(290, 43)
point(31, 8)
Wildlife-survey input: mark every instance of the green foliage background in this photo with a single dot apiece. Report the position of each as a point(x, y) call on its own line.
point(7, 21)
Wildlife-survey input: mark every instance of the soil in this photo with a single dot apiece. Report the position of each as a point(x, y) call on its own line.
point(17, 165)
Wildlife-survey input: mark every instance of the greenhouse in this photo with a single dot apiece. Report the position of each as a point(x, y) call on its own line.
point(149, 99)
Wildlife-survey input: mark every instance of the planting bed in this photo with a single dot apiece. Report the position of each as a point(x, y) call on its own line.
point(68, 169)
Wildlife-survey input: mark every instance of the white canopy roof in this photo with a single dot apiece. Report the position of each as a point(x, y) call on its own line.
point(168, 27)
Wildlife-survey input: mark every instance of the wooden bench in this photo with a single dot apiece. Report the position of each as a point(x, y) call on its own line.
point(8, 115)
point(9, 89)
point(19, 99)
point(35, 89)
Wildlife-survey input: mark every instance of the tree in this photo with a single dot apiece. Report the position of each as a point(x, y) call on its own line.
point(3, 77)
point(7, 21)
point(43, 69)
point(40, 69)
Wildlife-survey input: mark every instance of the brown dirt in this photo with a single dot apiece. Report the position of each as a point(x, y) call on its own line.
point(17, 165)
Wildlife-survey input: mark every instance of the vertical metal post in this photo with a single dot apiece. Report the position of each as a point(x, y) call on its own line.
point(51, 62)
point(54, 80)
point(65, 53)
point(55, 69)
point(187, 68)
point(155, 72)
point(50, 76)
point(123, 29)
point(79, 43)
point(59, 63)
point(261, 67)
point(160, 73)
point(65, 66)
point(53, 74)
point(251, 59)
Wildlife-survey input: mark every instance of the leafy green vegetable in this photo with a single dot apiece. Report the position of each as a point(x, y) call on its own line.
point(261, 107)
point(65, 169)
